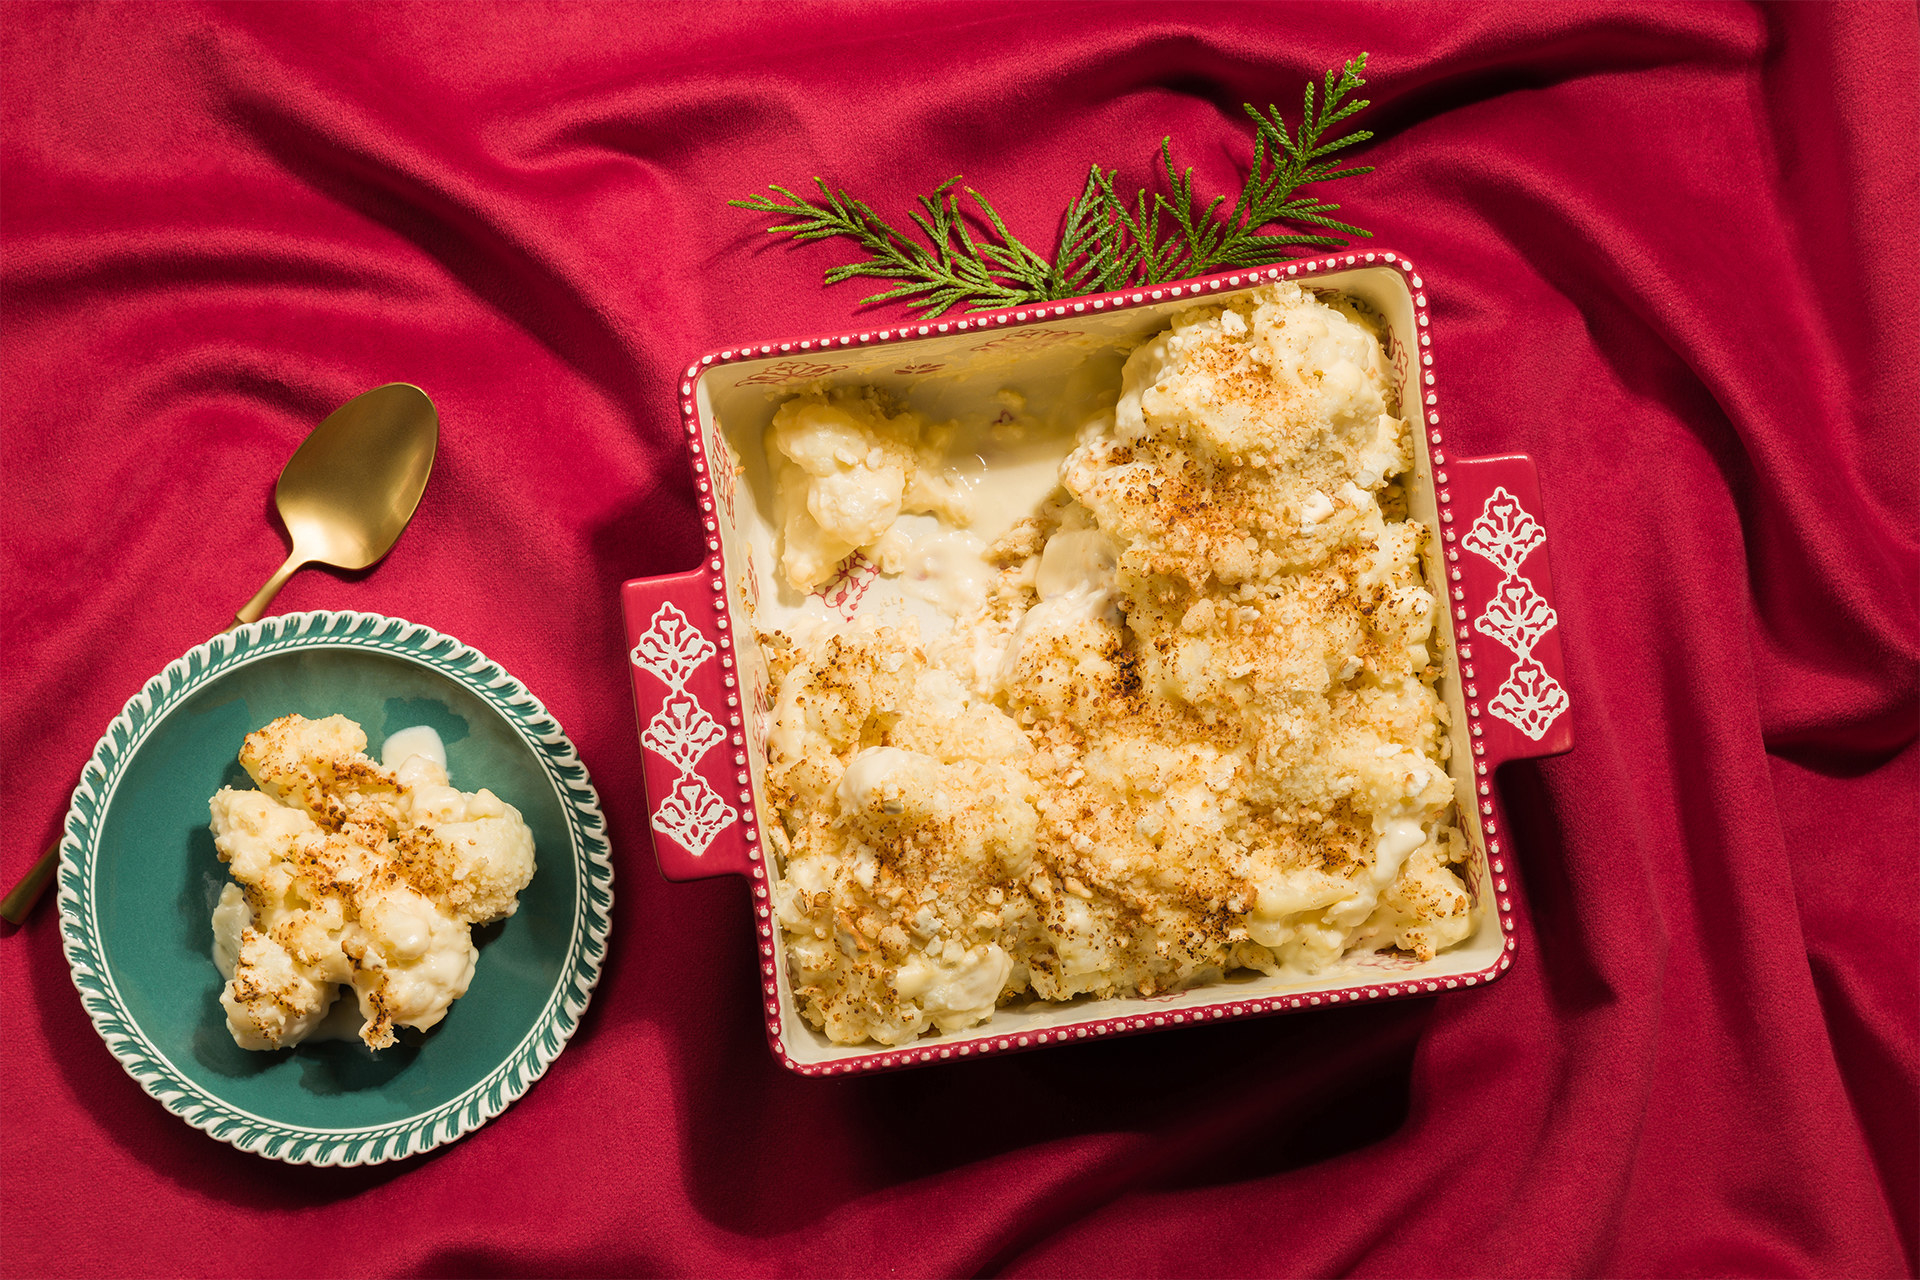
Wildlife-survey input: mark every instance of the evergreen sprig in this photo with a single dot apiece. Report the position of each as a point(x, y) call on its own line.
point(1106, 242)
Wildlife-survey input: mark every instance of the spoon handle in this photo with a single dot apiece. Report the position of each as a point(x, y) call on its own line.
point(20, 898)
point(252, 609)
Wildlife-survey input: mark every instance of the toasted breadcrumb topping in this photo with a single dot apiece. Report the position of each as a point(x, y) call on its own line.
point(1192, 730)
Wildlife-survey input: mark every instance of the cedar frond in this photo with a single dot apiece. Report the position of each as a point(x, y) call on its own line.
point(972, 258)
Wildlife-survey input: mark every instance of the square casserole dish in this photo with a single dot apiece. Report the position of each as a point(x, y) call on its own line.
point(702, 693)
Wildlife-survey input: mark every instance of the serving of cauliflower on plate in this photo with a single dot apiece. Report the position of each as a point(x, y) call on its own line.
point(352, 874)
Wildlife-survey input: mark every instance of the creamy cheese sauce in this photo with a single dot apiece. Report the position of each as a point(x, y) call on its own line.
point(948, 570)
point(418, 740)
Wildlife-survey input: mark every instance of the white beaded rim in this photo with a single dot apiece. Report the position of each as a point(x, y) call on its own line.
point(1428, 399)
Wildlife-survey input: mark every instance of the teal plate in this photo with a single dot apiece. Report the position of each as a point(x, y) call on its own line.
point(139, 879)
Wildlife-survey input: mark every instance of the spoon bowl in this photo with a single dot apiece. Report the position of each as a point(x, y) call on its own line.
point(353, 484)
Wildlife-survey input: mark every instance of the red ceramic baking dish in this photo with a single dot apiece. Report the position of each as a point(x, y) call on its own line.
point(701, 689)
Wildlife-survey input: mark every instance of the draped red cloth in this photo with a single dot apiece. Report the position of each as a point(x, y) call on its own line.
point(1671, 254)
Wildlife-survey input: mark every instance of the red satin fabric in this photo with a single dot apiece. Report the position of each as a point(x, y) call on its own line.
point(1671, 255)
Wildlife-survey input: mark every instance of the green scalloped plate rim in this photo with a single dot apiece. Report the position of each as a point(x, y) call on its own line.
point(193, 1102)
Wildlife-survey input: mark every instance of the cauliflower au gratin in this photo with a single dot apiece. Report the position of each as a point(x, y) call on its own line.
point(1192, 729)
point(354, 874)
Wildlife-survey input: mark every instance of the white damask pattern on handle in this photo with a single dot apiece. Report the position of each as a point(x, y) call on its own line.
point(693, 813)
point(1529, 699)
point(1504, 533)
point(672, 648)
point(682, 732)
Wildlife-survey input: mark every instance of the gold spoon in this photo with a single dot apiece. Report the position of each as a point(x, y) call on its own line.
point(351, 487)
point(345, 495)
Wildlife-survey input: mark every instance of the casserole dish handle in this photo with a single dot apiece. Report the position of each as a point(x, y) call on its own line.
point(686, 696)
point(1511, 667)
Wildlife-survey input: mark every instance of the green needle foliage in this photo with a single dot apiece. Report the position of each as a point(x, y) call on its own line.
point(971, 258)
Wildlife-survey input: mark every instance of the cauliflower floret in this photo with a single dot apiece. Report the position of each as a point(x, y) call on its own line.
point(321, 766)
point(491, 856)
point(845, 471)
point(412, 959)
point(959, 987)
point(251, 832)
point(1424, 911)
point(272, 1000)
point(890, 786)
